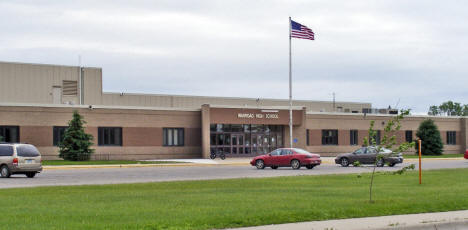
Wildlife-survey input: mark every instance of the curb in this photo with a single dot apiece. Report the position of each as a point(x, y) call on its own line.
point(419, 221)
point(57, 167)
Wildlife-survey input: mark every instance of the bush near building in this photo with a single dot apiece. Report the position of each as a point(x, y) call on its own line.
point(76, 144)
point(430, 137)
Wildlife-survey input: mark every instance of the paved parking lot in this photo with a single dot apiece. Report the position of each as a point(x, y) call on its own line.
point(153, 174)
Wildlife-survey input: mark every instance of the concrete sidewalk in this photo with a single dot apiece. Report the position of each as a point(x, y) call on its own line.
point(438, 220)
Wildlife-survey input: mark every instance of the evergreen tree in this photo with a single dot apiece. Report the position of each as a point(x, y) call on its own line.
point(430, 136)
point(76, 144)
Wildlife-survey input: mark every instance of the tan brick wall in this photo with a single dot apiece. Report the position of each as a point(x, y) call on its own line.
point(37, 135)
point(343, 137)
point(142, 136)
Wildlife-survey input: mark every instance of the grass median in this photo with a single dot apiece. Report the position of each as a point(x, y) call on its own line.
point(97, 162)
point(232, 202)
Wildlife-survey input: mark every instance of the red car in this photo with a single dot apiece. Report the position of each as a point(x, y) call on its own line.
point(287, 157)
point(466, 154)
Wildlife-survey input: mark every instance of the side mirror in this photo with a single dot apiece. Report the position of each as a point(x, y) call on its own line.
point(269, 154)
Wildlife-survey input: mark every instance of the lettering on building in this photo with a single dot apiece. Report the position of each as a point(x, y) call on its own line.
point(258, 115)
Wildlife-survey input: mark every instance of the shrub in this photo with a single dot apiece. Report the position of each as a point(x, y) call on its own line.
point(430, 137)
point(76, 144)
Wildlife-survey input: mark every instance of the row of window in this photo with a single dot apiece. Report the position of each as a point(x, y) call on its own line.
point(112, 136)
point(330, 137)
point(107, 136)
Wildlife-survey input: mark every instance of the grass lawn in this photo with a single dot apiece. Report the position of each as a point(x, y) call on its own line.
point(430, 156)
point(63, 162)
point(231, 203)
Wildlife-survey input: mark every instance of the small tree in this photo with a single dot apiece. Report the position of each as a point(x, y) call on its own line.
point(1, 138)
point(76, 144)
point(430, 137)
point(388, 141)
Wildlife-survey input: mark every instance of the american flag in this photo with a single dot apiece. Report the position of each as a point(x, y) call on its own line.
point(300, 31)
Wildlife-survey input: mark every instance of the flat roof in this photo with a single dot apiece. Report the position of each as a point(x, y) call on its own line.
point(236, 98)
point(380, 115)
point(50, 65)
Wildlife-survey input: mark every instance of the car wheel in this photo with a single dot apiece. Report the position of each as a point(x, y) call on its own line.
point(5, 172)
point(30, 174)
point(380, 162)
point(260, 164)
point(344, 162)
point(274, 167)
point(295, 164)
point(310, 166)
point(391, 164)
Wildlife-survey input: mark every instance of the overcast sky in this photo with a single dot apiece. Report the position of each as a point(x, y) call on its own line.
point(383, 52)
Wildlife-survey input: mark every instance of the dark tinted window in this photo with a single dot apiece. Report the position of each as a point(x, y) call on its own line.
point(9, 134)
point(110, 136)
point(27, 151)
point(6, 150)
point(330, 137)
point(353, 137)
point(409, 136)
point(59, 132)
point(451, 137)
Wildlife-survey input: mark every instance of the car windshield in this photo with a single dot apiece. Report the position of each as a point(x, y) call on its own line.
point(301, 151)
point(27, 151)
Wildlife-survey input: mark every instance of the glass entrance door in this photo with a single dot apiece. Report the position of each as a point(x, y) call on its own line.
point(237, 144)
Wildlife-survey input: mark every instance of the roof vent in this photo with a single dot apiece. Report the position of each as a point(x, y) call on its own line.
point(70, 88)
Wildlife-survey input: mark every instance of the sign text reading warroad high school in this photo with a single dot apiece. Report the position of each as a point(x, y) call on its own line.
point(258, 115)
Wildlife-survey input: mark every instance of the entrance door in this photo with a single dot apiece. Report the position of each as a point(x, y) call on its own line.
point(237, 143)
point(57, 95)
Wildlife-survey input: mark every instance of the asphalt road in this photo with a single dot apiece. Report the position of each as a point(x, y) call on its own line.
point(57, 177)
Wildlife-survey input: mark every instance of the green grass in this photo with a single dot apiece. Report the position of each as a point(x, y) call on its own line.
point(231, 203)
point(432, 156)
point(117, 162)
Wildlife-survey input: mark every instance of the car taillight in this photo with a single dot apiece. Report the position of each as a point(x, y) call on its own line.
point(15, 161)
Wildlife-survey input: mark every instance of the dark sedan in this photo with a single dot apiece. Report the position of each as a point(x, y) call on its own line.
point(368, 155)
point(287, 157)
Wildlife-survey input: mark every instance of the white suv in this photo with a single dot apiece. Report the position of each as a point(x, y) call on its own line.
point(19, 159)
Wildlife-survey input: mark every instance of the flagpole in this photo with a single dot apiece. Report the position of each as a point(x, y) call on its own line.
point(290, 91)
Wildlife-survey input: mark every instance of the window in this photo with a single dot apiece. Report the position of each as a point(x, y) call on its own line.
point(27, 151)
point(6, 150)
point(353, 137)
point(9, 134)
point(110, 136)
point(330, 137)
point(409, 136)
point(59, 133)
point(307, 137)
point(175, 137)
point(285, 152)
point(360, 151)
point(276, 152)
point(451, 137)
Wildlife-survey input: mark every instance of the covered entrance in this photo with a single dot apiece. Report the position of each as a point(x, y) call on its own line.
point(245, 139)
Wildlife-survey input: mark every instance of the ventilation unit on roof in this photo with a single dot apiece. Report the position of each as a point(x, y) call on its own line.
point(70, 88)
